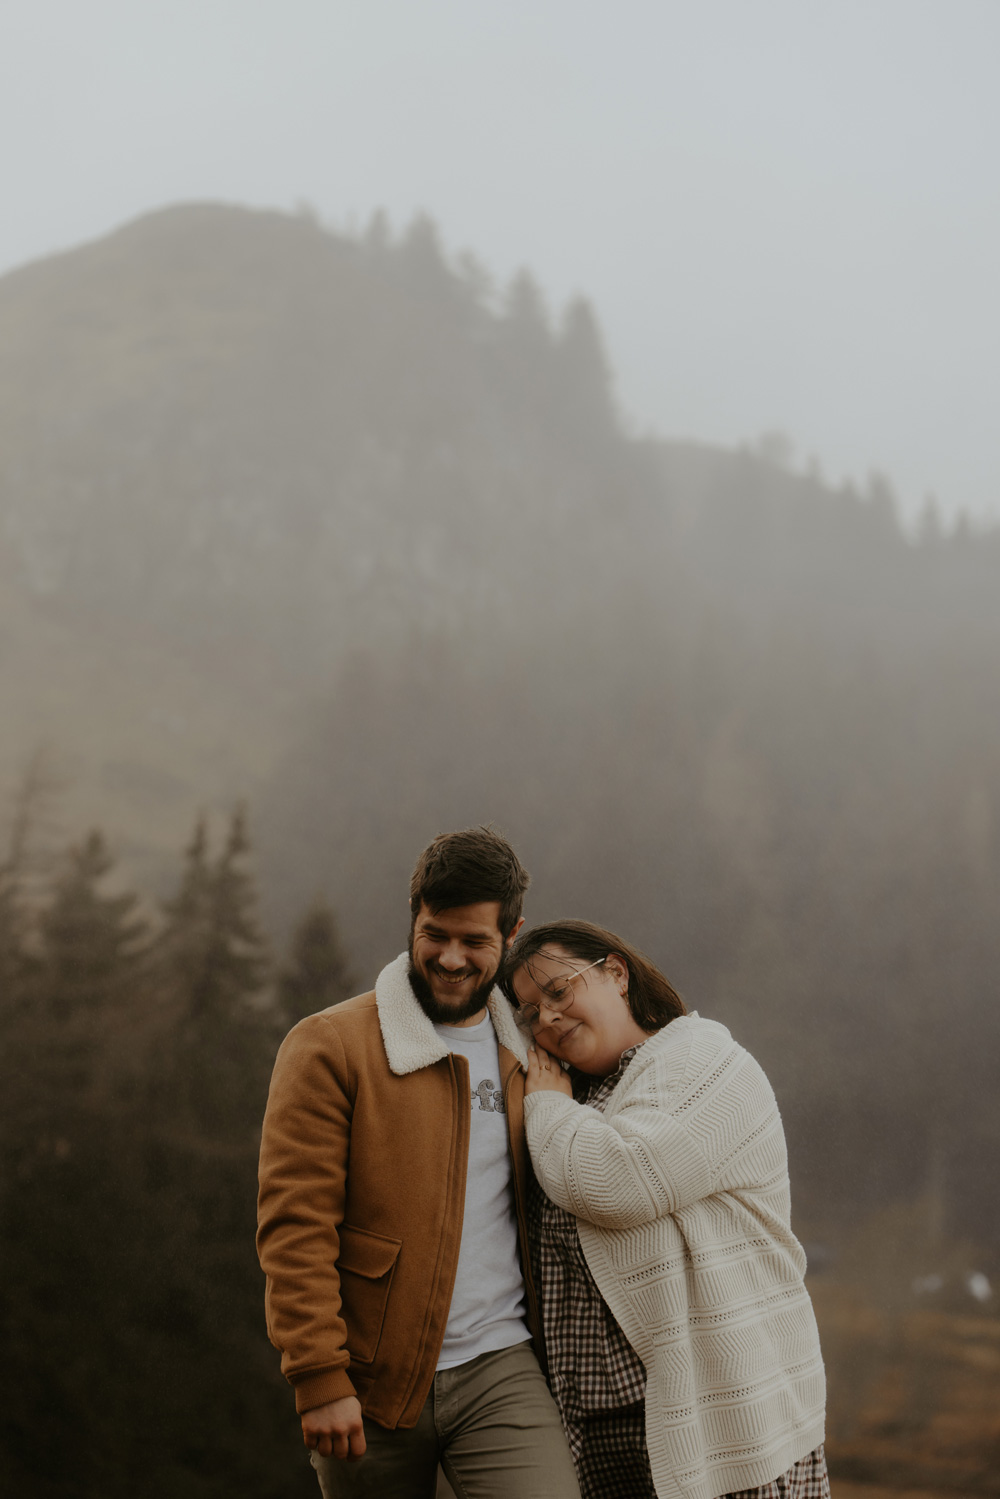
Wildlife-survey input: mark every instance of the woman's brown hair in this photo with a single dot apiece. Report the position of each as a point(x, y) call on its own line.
point(653, 1002)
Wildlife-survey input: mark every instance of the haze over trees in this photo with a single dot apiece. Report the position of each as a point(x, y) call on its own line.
point(331, 524)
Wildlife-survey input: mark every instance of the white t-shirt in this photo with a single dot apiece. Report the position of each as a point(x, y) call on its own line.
point(487, 1304)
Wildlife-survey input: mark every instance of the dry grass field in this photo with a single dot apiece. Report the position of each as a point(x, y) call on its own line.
point(844, 1489)
point(914, 1397)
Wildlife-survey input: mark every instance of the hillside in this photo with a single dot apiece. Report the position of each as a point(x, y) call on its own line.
point(236, 448)
point(217, 410)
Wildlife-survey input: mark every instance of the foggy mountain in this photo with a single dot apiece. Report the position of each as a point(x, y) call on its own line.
point(332, 523)
point(224, 420)
point(234, 445)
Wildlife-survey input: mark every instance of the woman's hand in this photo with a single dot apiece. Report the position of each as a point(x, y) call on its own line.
point(544, 1074)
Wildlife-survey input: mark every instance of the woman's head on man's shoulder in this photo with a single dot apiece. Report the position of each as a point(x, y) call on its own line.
point(586, 993)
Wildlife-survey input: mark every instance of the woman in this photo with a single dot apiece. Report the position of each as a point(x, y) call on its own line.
point(682, 1347)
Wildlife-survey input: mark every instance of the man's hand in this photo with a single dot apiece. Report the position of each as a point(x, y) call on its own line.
point(335, 1429)
point(545, 1074)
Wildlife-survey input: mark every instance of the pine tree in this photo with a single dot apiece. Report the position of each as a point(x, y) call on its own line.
point(13, 944)
point(526, 313)
point(82, 995)
point(19, 1033)
point(184, 942)
point(91, 941)
point(234, 958)
point(18, 908)
point(212, 966)
point(422, 261)
point(212, 953)
point(587, 374)
point(378, 234)
point(317, 973)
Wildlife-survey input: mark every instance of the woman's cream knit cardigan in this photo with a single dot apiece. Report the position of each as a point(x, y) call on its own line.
point(681, 1191)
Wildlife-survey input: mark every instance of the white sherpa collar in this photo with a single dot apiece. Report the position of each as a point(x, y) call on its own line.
point(410, 1040)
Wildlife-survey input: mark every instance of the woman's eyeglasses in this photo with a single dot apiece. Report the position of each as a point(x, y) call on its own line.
point(558, 992)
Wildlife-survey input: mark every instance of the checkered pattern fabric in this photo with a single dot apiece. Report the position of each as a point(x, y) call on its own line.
point(592, 1365)
point(611, 1457)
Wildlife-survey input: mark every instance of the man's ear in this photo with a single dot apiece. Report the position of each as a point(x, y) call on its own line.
point(514, 933)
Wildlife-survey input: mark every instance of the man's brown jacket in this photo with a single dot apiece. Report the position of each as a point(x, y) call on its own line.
point(362, 1191)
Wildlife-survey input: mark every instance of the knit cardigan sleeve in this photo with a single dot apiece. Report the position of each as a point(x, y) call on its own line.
point(619, 1172)
point(683, 1123)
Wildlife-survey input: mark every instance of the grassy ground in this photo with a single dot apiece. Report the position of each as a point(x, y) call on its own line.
point(914, 1400)
point(842, 1489)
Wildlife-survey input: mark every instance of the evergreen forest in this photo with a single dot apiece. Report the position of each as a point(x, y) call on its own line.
point(135, 1050)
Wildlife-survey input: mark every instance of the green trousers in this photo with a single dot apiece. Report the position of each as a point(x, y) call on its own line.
point(491, 1424)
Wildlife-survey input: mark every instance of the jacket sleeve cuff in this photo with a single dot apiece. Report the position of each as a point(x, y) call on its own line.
point(320, 1388)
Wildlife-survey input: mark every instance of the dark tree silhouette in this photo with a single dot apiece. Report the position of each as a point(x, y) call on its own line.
point(91, 940)
point(317, 973)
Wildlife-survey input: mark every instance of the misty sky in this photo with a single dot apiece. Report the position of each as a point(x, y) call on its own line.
point(787, 212)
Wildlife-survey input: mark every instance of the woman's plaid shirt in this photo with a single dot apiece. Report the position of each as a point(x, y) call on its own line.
point(592, 1365)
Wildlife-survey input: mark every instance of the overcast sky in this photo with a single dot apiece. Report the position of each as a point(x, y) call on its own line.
point(786, 212)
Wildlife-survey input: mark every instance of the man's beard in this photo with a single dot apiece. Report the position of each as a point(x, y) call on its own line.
point(445, 1014)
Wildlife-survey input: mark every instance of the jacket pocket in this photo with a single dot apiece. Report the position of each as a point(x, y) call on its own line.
point(366, 1263)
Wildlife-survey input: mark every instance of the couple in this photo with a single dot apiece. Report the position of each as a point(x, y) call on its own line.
point(622, 1224)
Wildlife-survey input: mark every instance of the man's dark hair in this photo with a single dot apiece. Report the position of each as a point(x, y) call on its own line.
point(464, 868)
point(652, 1000)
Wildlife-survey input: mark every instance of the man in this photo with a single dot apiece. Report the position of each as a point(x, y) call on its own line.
point(393, 1185)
